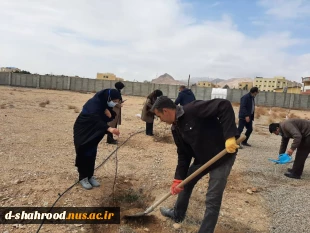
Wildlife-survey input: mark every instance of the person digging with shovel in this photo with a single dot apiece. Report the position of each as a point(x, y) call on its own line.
point(201, 129)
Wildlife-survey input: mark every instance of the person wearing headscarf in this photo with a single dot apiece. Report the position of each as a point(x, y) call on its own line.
point(89, 128)
point(117, 109)
point(147, 115)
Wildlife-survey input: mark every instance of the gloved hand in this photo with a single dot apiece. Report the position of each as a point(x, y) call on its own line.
point(231, 145)
point(174, 189)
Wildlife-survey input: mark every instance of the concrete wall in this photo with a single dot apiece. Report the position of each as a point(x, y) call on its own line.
point(269, 99)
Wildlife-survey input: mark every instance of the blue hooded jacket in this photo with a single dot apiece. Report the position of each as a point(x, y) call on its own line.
point(185, 96)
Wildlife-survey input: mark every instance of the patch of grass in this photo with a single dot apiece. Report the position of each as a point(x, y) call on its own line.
point(129, 197)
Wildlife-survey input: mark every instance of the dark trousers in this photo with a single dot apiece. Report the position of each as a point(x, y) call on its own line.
point(85, 162)
point(249, 128)
point(149, 128)
point(217, 184)
point(301, 155)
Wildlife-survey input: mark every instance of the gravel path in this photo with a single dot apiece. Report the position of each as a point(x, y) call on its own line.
point(287, 200)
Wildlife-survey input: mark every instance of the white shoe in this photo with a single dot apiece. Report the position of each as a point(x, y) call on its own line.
point(85, 183)
point(94, 182)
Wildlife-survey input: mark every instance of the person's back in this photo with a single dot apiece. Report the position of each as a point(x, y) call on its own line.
point(295, 126)
point(185, 96)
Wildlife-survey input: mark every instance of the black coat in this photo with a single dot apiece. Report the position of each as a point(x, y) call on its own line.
point(186, 96)
point(246, 106)
point(91, 124)
point(201, 131)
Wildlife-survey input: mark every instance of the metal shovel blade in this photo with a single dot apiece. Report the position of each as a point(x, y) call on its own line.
point(184, 182)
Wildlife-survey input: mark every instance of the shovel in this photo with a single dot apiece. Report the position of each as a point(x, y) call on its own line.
point(188, 179)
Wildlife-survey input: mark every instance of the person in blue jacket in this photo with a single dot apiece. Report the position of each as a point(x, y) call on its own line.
point(89, 128)
point(246, 114)
point(185, 96)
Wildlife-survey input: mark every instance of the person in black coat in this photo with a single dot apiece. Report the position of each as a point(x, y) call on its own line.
point(89, 129)
point(185, 96)
point(246, 114)
point(201, 129)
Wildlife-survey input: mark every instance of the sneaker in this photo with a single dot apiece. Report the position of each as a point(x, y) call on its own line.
point(85, 183)
point(94, 182)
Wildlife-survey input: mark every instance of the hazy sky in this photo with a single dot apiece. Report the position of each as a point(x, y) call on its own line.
point(139, 39)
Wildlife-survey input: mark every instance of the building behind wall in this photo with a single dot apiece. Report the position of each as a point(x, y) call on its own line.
point(108, 76)
point(245, 85)
point(205, 84)
point(290, 90)
point(9, 69)
point(277, 83)
point(306, 83)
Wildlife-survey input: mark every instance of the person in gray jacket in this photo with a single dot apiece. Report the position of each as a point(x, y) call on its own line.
point(299, 130)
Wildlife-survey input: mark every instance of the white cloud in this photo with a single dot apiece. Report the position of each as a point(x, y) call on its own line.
point(286, 9)
point(137, 39)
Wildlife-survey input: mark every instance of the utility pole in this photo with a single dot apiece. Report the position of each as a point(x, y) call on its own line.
point(189, 77)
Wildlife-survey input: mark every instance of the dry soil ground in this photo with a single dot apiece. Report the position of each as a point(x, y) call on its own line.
point(37, 163)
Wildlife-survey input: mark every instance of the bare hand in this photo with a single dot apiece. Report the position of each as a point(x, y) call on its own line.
point(107, 113)
point(247, 119)
point(290, 152)
point(114, 131)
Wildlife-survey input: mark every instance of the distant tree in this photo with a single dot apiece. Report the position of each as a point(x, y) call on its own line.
point(226, 87)
point(22, 72)
point(145, 81)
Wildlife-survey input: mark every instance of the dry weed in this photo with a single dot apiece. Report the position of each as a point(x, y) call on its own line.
point(71, 107)
point(282, 115)
point(3, 106)
point(277, 109)
point(293, 115)
point(235, 104)
point(270, 120)
point(274, 115)
point(43, 104)
point(261, 111)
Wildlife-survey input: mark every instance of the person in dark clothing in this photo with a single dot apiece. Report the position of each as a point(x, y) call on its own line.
point(246, 114)
point(147, 115)
point(89, 129)
point(299, 130)
point(185, 96)
point(117, 109)
point(201, 129)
